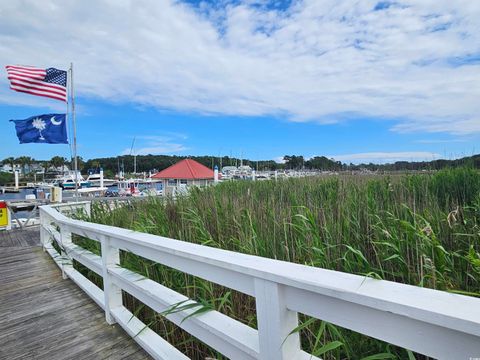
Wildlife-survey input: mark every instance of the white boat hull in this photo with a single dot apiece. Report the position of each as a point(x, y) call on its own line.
point(106, 182)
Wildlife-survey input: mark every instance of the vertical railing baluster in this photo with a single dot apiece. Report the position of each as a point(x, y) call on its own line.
point(275, 323)
point(43, 232)
point(112, 293)
point(66, 240)
point(88, 209)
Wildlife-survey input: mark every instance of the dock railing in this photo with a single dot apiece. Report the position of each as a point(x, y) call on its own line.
point(434, 323)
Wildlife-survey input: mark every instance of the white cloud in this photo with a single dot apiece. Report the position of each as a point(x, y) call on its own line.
point(385, 157)
point(7, 96)
point(442, 141)
point(279, 160)
point(152, 144)
point(322, 61)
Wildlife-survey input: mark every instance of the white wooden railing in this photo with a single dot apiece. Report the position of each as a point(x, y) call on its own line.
point(434, 323)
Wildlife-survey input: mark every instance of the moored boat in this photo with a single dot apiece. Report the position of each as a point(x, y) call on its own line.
point(67, 182)
point(128, 188)
point(95, 180)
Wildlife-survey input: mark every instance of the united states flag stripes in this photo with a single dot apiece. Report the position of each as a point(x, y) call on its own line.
point(49, 82)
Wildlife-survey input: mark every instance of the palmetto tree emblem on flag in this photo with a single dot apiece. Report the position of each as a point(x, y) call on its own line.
point(40, 125)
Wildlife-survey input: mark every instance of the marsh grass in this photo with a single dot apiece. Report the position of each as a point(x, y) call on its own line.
point(421, 230)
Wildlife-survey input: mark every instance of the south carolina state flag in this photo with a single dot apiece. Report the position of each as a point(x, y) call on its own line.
point(48, 129)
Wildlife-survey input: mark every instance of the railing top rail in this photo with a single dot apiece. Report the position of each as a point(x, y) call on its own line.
point(69, 204)
point(431, 306)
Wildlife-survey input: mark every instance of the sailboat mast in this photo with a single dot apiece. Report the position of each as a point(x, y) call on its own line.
point(132, 151)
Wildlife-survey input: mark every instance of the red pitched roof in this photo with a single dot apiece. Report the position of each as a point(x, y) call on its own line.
point(185, 169)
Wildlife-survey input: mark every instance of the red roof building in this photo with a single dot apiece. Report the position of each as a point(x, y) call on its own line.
point(183, 174)
point(187, 169)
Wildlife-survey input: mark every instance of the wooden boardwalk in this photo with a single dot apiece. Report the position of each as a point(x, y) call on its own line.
point(43, 316)
point(29, 237)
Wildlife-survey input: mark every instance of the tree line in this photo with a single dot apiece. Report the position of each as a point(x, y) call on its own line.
point(154, 163)
point(26, 162)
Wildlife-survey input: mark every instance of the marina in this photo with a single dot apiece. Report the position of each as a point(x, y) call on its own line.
point(177, 178)
point(243, 180)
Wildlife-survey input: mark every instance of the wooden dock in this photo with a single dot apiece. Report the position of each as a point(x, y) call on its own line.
point(43, 316)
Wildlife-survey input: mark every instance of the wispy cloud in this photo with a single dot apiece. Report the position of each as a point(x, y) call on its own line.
point(168, 135)
point(441, 141)
point(154, 145)
point(412, 61)
point(9, 97)
point(385, 157)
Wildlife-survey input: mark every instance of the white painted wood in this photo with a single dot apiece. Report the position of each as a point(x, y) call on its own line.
point(85, 257)
point(113, 294)
point(16, 179)
point(435, 323)
point(222, 275)
point(422, 337)
point(44, 238)
point(155, 345)
point(49, 249)
point(88, 208)
point(53, 233)
point(72, 207)
point(275, 323)
point(230, 337)
point(238, 271)
point(65, 240)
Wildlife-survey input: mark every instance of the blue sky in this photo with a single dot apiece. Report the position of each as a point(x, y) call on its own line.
point(355, 80)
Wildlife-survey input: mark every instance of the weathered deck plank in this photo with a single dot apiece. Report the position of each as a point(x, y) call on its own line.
point(20, 238)
point(43, 316)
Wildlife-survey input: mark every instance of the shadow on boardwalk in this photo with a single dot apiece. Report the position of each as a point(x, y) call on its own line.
point(43, 316)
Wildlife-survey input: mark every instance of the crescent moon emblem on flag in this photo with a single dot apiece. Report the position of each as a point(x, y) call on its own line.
point(54, 122)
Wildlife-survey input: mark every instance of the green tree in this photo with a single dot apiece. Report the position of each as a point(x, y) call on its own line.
point(294, 161)
point(25, 161)
point(323, 163)
point(45, 165)
point(58, 161)
point(80, 162)
point(9, 161)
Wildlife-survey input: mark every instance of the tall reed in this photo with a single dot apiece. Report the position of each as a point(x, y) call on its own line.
point(415, 229)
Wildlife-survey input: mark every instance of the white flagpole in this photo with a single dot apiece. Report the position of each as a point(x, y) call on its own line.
point(74, 125)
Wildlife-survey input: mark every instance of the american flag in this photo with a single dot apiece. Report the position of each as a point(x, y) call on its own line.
point(49, 82)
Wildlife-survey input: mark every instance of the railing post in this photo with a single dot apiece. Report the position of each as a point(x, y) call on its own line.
point(66, 239)
point(112, 293)
point(88, 209)
point(44, 236)
point(275, 322)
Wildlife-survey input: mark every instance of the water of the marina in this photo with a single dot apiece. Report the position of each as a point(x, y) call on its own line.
point(24, 192)
point(19, 196)
point(16, 196)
